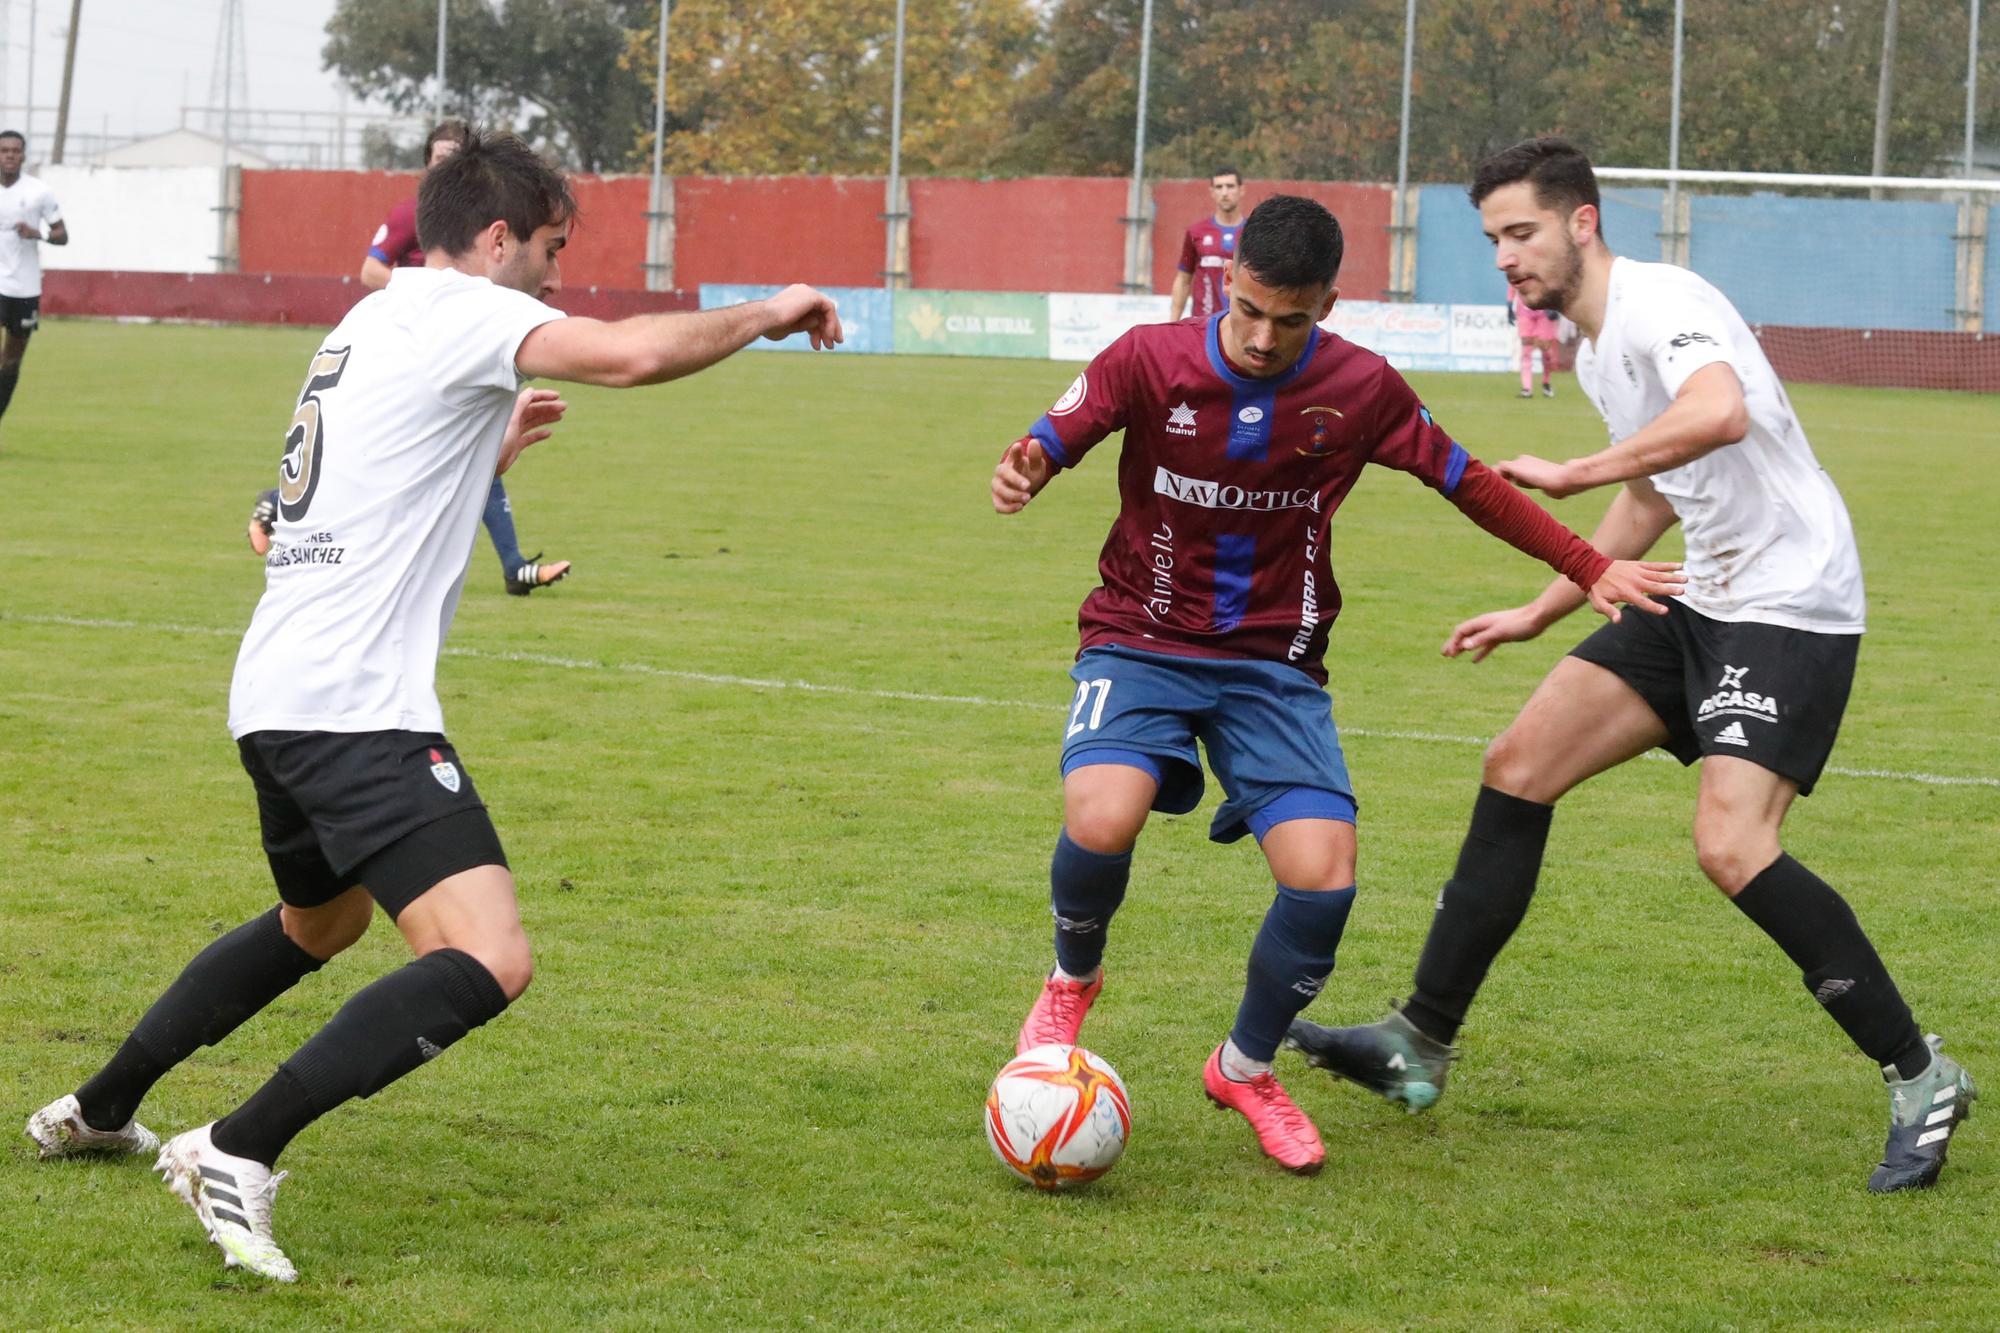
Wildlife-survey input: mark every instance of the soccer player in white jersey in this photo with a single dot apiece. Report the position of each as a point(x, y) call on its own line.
point(29, 218)
point(410, 407)
point(1747, 674)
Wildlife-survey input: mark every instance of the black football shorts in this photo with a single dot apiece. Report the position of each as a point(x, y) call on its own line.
point(394, 810)
point(1765, 693)
point(20, 315)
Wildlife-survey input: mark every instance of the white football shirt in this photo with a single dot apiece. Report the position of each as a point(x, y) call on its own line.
point(26, 200)
point(386, 470)
point(1768, 537)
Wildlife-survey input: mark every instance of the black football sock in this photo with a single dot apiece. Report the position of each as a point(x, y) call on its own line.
point(1817, 930)
point(387, 1029)
point(9, 377)
point(1481, 906)
point(1290, 961)
point(225, 984)
point(1085, 888)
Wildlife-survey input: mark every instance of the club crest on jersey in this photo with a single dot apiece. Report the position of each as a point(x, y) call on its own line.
point(445, 772)
point(1072, 397)
point(1322, 423)
point(1180, 420)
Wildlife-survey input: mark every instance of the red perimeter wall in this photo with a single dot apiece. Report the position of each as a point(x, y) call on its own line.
point(1043, 234)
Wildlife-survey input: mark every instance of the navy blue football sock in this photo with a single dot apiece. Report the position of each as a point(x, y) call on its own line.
point(1085, 888)
point(1290, 961)
point(386, 1030)
point(233, 978)
point(9, 377)
point(499, 520)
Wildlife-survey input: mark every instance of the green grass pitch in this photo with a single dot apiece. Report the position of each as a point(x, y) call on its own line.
point(785, 934)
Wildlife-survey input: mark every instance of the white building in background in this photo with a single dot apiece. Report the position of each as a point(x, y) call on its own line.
point(176, 148)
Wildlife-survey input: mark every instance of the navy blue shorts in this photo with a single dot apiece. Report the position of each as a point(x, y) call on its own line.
point(1266, 727)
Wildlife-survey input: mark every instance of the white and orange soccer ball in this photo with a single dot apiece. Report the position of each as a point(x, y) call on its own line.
point(1057, 1116)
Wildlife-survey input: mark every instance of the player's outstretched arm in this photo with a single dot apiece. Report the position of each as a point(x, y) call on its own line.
point(652, 349)
point(1020, 475)
point(535, 412)
point(1708, 413)
point(1637, 518)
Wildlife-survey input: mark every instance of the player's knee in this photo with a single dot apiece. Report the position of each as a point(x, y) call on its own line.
point(1732, 857)
point(327, 930)
point(1509, 766)
point(1102, 826)
point(508, 958)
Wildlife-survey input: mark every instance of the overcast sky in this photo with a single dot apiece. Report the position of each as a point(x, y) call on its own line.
point(138, 61)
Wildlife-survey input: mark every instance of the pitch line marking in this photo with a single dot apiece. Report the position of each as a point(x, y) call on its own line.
point(898, 696)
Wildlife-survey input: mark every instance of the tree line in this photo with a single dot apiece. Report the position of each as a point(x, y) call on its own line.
point(1301, 89)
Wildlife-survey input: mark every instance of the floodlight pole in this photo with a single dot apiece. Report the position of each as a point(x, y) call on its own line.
point(893, 212)
point(1399, 233)
point(222, 209)
point(30, 118)
point(1135, 199)
point(659, 256)
point(1971, 84)
point(1672, 233)
point(69, 79)
point(439, 115)
point(1885, 88)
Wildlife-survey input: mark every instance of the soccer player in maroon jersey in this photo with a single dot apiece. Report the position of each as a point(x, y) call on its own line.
point(1243, 433)
point(1209, 246)
point(395, 246)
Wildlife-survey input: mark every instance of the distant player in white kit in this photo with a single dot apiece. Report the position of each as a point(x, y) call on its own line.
point(410, 406)
point(1747, 674)
point(29, 218)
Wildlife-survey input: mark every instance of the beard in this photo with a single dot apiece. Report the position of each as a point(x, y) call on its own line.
point(1561, 286)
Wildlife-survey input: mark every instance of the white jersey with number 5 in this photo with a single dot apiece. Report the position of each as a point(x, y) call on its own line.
point(386, 470)
point(1768, 537)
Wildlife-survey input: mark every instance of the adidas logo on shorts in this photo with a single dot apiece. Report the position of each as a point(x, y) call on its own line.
point(1732, 735)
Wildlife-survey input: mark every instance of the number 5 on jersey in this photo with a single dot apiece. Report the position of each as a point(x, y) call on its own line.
point(298, 473)
point(1076, 722)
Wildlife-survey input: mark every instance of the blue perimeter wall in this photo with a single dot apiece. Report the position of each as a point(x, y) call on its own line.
point(1821, 263)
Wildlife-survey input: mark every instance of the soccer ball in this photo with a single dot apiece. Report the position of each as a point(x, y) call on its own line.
point(1057, 1116)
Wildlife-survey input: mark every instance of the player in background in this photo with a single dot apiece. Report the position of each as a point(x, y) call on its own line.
point(1208, 247)
point(1747, 674)
point(28, 217)
point(1537, 331)
point(394, 246)
point(410, 406)
point(1243, 434)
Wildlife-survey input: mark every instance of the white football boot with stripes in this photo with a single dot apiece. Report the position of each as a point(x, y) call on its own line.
point(1923, 1112)
point(232, 1197)
point(59, 1130)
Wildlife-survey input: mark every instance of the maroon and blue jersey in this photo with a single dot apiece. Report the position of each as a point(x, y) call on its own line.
point(1206, 251)
point(1228, 485)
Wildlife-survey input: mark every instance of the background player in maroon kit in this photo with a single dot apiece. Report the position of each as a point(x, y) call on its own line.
point(1209, 246)
point(1243, 433)
point(395, 246)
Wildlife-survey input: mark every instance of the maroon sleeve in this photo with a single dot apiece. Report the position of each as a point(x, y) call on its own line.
point(1491, 501)
point(1093, 406)
point(1405, 437)
point(397, 235)
point(1189, 259)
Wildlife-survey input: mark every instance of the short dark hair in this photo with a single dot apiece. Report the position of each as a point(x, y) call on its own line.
point(14, 134)
point(1291, 243)
point(1556, 168)
point(1225, 171)
point(491, 178)
point(453, 129)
